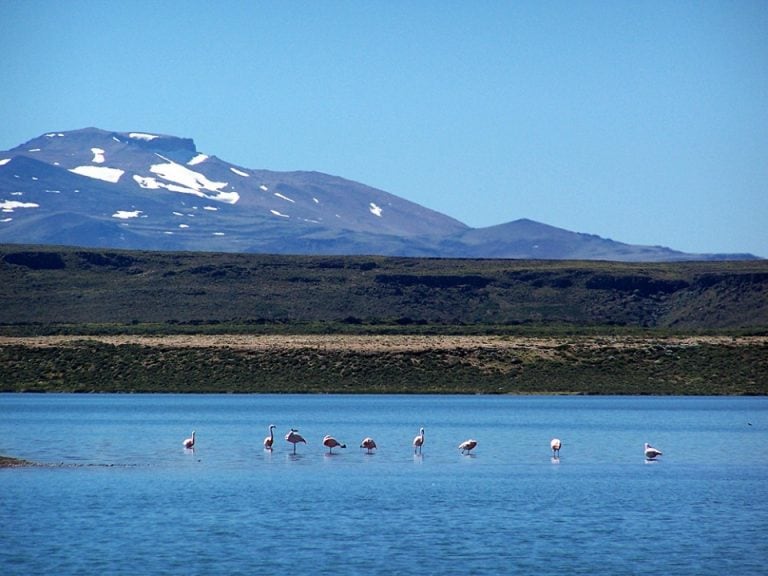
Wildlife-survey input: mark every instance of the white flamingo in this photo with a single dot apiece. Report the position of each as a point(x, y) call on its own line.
point(467, 446)
point(189, 443)
point(418, 441)
point(269, 440)
point(368, 444)
point(330, 442)
point(650, 452)
point(555, 445)
point(294, 438)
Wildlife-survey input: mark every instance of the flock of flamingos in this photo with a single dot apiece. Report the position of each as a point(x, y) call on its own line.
point(369, 443)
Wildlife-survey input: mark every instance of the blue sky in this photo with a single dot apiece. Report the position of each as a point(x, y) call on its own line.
point(644, 122)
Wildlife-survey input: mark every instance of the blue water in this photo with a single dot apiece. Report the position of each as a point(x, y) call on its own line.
point(128, 499)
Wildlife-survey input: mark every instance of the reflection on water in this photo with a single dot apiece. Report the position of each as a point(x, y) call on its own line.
point(130, 499)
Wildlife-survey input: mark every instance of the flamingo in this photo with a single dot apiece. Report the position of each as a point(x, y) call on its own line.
point(269, 439)
point(556, 444)
point(651, 452)
point(418, 441)
point(467, 445)
point(294, 438)
point(332, 443)
point(368, 444)
point(190, 442)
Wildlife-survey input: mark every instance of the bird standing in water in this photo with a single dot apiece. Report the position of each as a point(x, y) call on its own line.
point(650, 452)
point(330, 442)
point(368, 444)
point(418, 441)
point(189, 443)
point(269, 440)
point(294, 438)
point(467, 446)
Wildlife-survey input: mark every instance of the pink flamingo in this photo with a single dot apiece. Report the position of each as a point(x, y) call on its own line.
point(368, 444)
point(269, 440)
point(189, 443)
point(555, 445)
point(418, 441)
point(651, 452)
point(467, 445)
point(294, 438)
point(330, 442)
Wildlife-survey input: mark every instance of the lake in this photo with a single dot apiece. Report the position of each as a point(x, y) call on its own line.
point(122, 496)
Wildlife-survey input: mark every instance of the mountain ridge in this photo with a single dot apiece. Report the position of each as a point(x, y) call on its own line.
point(48, 286)
point(145, 191)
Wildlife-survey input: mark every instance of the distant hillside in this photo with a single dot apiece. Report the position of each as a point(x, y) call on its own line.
point(43, 285)
point(139, 191)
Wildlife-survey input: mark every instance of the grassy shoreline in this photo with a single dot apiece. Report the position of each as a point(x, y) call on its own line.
point(612, 364)
point(88, 320)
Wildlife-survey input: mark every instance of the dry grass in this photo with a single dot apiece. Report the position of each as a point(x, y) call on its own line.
point(436, 364)
point(385, 343)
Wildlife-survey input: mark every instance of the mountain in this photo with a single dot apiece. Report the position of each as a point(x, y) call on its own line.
point(101, 189)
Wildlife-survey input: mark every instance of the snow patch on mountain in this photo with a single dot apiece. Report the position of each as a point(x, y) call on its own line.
point(11, 205)
point(189, 178)
point(127, 214)
point(148, 182)
point(199, 159)
point(239, 172)
point(282, 197)
point(181, 179)
point(98, 155)
point(112, 175)
point(280, 214)
point(5, 161)
point(375, 210)
point(142, 136)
